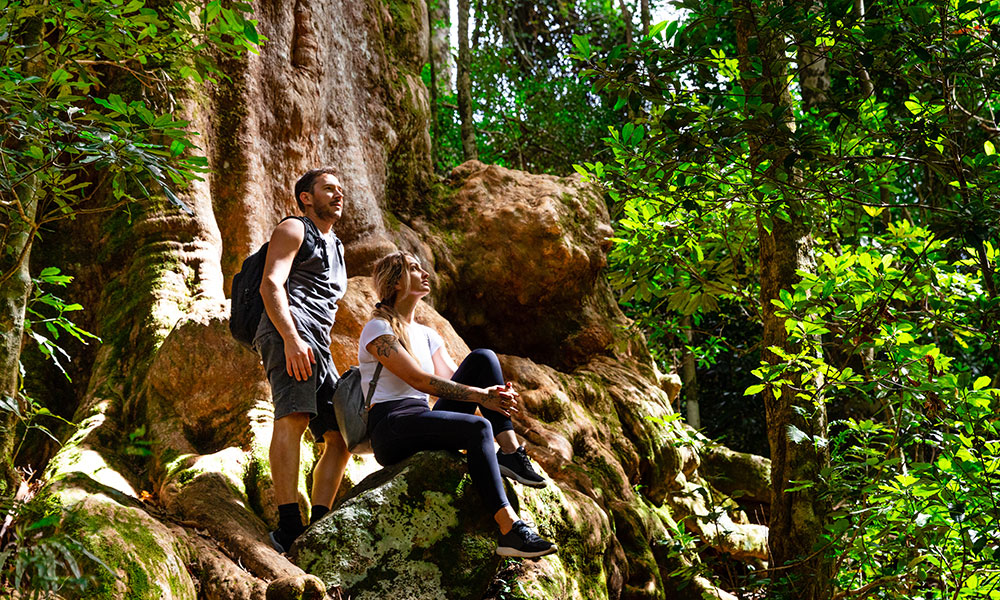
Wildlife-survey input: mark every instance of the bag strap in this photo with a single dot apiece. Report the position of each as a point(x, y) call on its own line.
point(310, 230)
point(371, 387)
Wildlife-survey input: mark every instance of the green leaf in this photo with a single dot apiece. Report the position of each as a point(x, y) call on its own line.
point(251, 33)
point(60, 76)
point(786, 298)
point(981, 383)
point(582, 45)
point(797, 436)
point(989, 148)
point(9, 404)
point(45, 521)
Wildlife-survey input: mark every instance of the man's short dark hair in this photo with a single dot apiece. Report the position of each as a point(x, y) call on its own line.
point(305, 183)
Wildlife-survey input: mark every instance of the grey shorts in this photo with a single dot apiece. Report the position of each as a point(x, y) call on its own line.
point(313, 396)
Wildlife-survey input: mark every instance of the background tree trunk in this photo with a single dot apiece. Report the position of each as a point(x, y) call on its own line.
point(797, 428)
point(14, 291)
point(627, 20)
point(18, 232)
point(469, 151)
point(644, 16)
point(439, 59)
point(689, 377)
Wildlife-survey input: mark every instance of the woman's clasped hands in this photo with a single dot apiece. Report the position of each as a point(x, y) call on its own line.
point(501, 398)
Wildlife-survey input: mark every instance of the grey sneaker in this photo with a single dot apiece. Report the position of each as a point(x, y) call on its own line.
point(517, 466)
point(522, 541)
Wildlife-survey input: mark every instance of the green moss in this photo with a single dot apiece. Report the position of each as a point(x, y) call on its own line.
point(437, 204)
point(390, 220)
point(403, 16)
point(412, 530)
point(131, 553)
point(256, 471)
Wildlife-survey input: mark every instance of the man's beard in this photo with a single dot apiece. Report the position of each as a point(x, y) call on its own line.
point(328, 213)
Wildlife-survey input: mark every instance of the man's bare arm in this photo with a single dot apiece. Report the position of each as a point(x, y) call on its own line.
point(281, 251)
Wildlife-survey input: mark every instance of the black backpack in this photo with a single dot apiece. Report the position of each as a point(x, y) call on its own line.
point(247, 304)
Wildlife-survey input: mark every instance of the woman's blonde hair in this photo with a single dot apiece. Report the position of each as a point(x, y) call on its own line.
point(388, 272)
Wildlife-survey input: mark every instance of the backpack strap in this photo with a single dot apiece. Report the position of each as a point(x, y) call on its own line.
point(371, 387)
point(317, 238)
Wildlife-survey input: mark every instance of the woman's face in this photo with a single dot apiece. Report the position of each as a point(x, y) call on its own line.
point(417, 277)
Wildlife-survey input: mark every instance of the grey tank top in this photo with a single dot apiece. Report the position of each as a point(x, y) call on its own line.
point(317, 281)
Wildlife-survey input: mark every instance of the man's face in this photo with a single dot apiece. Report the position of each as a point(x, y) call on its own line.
point(326, 198)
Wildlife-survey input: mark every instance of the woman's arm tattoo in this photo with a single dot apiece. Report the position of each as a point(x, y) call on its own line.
point(444, 388)
point(385, 345)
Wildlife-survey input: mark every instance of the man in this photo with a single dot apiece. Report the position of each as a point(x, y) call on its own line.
point(304, 277)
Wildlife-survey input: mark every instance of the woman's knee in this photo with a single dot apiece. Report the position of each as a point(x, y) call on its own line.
point(478, 429)
point(483, 356)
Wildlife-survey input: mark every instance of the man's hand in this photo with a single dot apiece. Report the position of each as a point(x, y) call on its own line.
point(299, 359)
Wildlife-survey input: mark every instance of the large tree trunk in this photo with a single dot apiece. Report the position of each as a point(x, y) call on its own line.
point(469, 151)
point(797, 428)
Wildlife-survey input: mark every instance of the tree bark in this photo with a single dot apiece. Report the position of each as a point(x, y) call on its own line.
point(797, 518)
point(14, 293)
point(627, 20)
point(469, 151)
point(439, 59)
point(866, 80)
point(814, 79)
point(644, 16)
point(689, 378)
point(18, 232)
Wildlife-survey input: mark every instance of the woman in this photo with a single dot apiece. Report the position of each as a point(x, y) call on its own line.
point(415, 365)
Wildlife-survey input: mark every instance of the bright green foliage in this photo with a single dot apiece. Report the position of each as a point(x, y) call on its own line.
point(532, 111)
point(918, 480)
point(46, 311)
point(898, 186)
point(41, 560)
point(69, 137)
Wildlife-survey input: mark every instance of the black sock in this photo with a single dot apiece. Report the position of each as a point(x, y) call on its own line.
point(290, 520)
point(318, 510)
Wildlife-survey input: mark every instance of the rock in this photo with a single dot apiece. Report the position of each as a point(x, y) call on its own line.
point(519, 257)
point(415, 530)
point(418, 530)
point(584, 563)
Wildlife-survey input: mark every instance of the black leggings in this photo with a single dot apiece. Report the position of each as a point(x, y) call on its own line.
point(401, 428)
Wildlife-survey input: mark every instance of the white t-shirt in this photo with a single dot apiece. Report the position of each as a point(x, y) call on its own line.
point(424, 342)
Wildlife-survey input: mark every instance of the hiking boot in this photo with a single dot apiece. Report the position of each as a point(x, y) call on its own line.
point(522, 541)
point(517, 466)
